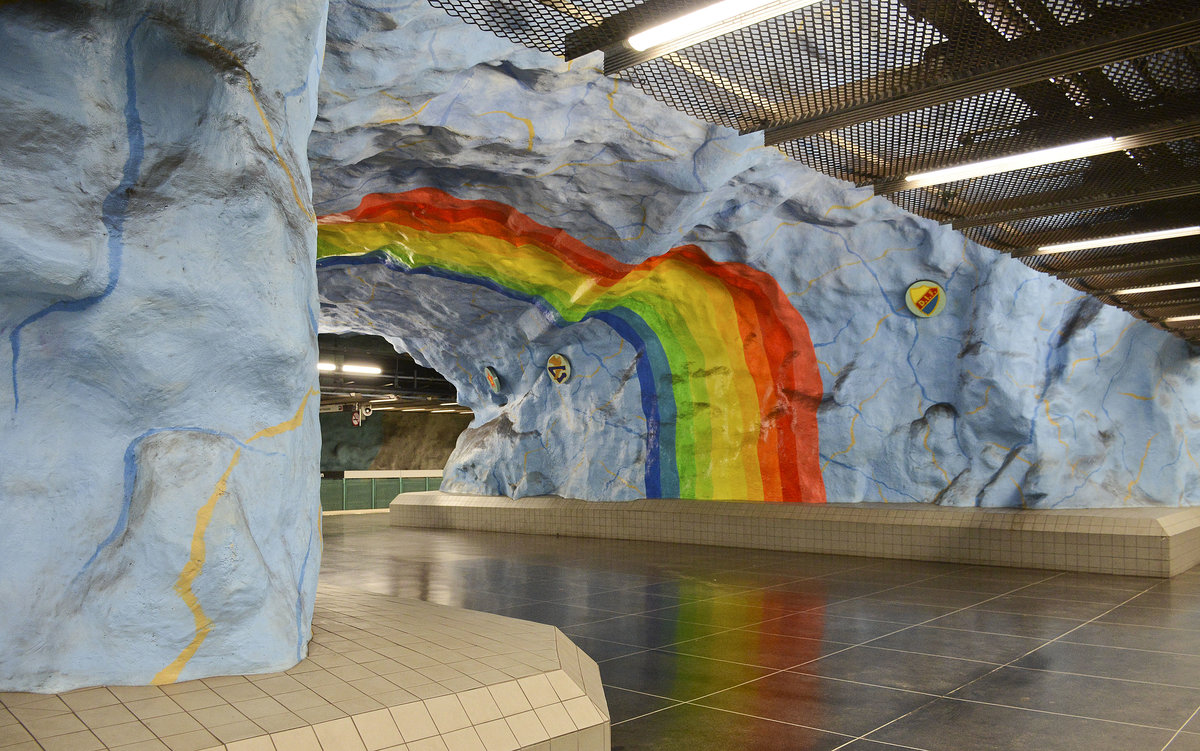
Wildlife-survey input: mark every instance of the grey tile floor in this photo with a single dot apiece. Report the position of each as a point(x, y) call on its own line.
point(719, 648)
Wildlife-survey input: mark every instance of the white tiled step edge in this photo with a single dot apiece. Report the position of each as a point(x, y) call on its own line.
point(1129, 541)
point(382, 674)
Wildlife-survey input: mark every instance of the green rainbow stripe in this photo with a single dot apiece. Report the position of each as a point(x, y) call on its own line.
point(729, 378)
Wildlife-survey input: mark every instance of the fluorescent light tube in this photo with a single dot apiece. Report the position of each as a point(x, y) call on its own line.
point(436, 411)
point(1014, 162)
point(326, 366)
point(1181, 319)
point(713, 21)
point(413, 409)
point(362, 369)
point(1157, 288)
point(450, 404)
point(1104, 242)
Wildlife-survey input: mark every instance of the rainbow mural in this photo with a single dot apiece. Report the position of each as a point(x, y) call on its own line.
point(727, 371)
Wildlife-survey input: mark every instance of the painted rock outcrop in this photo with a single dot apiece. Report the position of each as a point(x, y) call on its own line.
point(1022, 392)
point(158, 432)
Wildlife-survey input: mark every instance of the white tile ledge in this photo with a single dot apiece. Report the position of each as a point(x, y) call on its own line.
point(1134, 541)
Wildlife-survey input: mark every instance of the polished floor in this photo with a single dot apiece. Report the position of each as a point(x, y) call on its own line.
point(718, 648)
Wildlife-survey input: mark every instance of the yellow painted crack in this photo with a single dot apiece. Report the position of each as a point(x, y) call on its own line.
point(415, 112)
point(1020, 491)
point(266, 124)
point(1102, 354)
point(625, 482)
point(1006, 449)
point(612, 105)
point(854, 420)
point(191, 570)
point(1141, 467)
point(877, 325)
point(525, 464)
point(986, 392)
point(928, 430)
point(1054, 422)
point(528, 123)
point(198, 553)
point(850, 207)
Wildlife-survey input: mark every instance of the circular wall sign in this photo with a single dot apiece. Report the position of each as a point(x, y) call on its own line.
point(925, 299)
point(493, 379)
point(559, 368)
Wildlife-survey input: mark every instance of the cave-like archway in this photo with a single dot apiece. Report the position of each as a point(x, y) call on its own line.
point(691, 378)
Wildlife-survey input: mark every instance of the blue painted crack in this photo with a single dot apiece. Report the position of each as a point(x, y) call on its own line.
point(130, 476)
point(114, 213)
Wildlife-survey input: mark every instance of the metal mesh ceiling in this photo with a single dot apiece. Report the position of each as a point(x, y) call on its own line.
point(874, 90)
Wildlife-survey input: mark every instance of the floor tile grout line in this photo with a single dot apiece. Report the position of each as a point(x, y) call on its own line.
point(1104, 677)
point(768, 719)
point(943, 696)
point(1056, 714)
point(1048, 643)
point(1180, 730)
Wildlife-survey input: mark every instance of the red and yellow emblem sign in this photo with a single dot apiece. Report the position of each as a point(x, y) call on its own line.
point(925, 298)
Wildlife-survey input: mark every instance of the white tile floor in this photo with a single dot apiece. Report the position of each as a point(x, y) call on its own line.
point(382, 673)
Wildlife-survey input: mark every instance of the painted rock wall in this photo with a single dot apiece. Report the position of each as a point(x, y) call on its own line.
point(389, 440)
point(158, 419)
point(1021, 393)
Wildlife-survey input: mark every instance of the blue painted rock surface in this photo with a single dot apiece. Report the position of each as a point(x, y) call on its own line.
point(159, 439)
point(1022, 392)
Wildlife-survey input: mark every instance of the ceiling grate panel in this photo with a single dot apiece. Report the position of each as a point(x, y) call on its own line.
point(872, 91)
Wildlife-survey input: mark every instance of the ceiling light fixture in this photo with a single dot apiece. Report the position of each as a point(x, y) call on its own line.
point(362, 369)
point(1156, 288)
point(1014, 162)
point(450, 404)
point(1181, 319)
point(1104, 242)
point(436, 411)
point(712, 21)
point(413, 409)
point(326, 366)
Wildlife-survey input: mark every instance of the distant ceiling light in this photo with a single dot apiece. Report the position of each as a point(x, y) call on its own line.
point(435, 411)
point(1014, 162)
point(1104, 242)
point(713, 21)
point(1157, 288)
point(326, 366)
point(362, 369)
point(449, 404)
point(413, 409)
point(1181, 319)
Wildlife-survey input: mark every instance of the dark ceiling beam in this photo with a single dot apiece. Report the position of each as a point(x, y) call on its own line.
point(615, 29)
point(1139, 132)
point(1147, 217)
point(1012, 210)
point(1099, 269)
point(1024, 61)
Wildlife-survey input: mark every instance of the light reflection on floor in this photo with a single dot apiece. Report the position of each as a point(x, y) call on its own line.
point(720, 648)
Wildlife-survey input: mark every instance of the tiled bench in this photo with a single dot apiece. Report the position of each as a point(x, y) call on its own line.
point(1129, 541)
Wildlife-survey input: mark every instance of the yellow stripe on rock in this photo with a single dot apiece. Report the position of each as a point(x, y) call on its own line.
point(198, 554)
